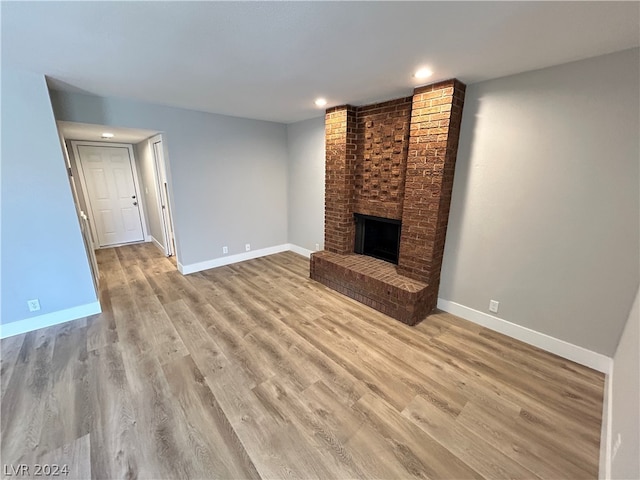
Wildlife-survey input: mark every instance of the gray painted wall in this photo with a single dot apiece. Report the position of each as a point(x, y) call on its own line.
point(306, 146)
point(147, 173)
point(545, 206)
point(43, 255)
point(228, 174)
point(544, 215)
point(626, 398)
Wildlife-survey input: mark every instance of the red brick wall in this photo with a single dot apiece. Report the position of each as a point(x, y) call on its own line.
point(395, 160)
point(383, 141)
point(433, 144)
point(340, 143)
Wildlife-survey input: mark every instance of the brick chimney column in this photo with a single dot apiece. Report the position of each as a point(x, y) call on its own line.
point(340, 138)
point(433, 145)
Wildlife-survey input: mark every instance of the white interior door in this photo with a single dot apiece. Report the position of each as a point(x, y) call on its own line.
point(109, 184)
point(163, 195)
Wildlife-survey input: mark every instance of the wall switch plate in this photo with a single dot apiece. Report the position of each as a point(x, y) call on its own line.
point(493, 306)
point(225, 249)
point(247, 247)
point(317, 247)
point(34, 305)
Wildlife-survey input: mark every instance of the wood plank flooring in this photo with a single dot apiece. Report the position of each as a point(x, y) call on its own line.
point(255, 371)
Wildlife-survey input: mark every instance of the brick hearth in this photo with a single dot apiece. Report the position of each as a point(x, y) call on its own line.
point(394, 160)
point(374, 282)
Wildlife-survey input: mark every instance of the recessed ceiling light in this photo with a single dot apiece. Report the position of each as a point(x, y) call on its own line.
point(107, 135)
point(423, 73)
point(320, 102)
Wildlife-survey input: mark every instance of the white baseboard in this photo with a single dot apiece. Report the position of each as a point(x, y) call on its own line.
point(575, 353)
point(222, 261)
point(48, 319)
point(606, 429)
point(241, 257)
point(299, 250)
point(152, 239)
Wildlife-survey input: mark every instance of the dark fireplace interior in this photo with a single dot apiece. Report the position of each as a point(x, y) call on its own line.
point(377, 237)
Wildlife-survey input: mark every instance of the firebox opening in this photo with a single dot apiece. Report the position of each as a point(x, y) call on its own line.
point(377, 237)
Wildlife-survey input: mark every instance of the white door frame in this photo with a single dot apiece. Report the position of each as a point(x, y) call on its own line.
point(162, 193)
point(82, 216)
point(85, 193)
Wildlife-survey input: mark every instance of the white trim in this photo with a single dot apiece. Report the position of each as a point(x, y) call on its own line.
point(162, 192)
point(241, 257)
point(153, 240)
point(299, 250)
point(48, 319)
point(157, 183)
point(567, 350)
point(222, 261)
point(606, 429)
point(83, 220)
point(85, 228)
point(116, 245)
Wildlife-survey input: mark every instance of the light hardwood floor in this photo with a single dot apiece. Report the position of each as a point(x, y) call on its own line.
point(255, 371)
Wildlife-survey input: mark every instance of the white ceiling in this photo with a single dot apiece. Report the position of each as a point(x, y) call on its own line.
point(86, 131)
point(269, 60)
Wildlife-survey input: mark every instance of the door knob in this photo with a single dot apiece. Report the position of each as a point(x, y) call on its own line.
point(135, 203)
point(133, 196)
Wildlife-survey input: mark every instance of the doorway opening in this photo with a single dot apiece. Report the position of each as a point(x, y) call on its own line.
point(120, 187)
point(156, 145)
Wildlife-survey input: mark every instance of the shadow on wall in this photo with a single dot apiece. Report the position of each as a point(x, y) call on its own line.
point(91, 108)
point(461, 180)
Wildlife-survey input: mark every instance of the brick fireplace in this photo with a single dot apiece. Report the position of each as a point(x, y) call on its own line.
point(392, 161)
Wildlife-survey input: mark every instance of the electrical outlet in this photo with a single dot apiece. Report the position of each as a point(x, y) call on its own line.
point(493, 306)
point(225, 249)
point(317, 247)
point(616, 446)
point(247, 247)
point(34, 305)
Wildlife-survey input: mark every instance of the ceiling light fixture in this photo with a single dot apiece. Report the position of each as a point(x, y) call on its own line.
point(423, 73)
point(320, 102)
point(107, 135)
